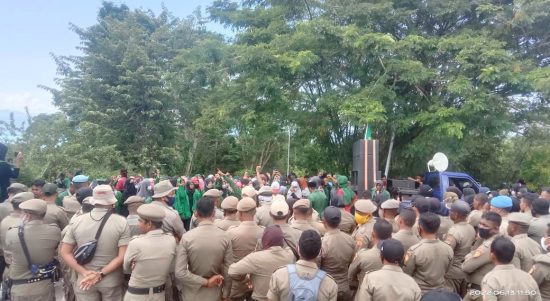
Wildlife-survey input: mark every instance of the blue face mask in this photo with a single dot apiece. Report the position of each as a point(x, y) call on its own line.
point(171, 200)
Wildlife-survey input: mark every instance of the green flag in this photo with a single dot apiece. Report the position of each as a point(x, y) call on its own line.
point(368, 133)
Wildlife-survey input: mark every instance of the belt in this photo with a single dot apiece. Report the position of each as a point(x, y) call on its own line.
point(474, 286)
point(145, 290)
point(31, 280)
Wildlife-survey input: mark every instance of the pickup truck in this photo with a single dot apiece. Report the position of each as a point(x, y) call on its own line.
point(439, 181)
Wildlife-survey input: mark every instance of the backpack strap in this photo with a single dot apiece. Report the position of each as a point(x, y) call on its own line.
point(21, 234)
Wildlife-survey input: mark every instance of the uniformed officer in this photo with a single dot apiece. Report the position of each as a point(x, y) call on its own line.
point(265, 197)
point(203, 258)
point(347, 223)
point(133, 203)
point(388, 211)
point(406, 220)
point(460, 238)
point(215, 195)
point(389, 283)
point(279, 212)
point(305, 268)
point(478, 262)
point(515, 283)
point(502, 205)
point(231, 218)
point(480, 200)
point(338, 250)
point(32, 269)
point(102, 277)
point(249, 191)
point(150, 257)
point(244, 240)
point(541, 219)
point(526, 248)
point(301, 221)
point(12, 220)
point(164, 197)
point(365, 222)
point(260, 265)
point(54, 214)
point(6, 207)
point(429, 260)
point(368, 260)
point(541, 268)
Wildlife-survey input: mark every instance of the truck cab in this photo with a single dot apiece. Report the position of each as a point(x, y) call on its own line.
point(440, 181)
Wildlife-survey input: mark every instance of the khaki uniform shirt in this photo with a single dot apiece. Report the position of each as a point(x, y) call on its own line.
point(446, 224)
point(291, 235)
point(541, 273)
point(393, 223)
point(338, 251)
point(245, 239)
point(42, 241)
point(195, 222)
point(279, 283)
point(388, 284)
point(526, 249)
point(538, 226)
point(133, 224)
point(56, 215)
point(319, 227)
point(516, 285)
point(262, 217)
point(478, 262)
point(172, 222)
point(406, 237)
point(71, 206)
point(363, 233)
point(347, 223)
point(460, 238)
point(153, 255)
point(366, 260)
point(227, 222)
point(427, 262)
point(12, 220)
point(202, 253)
point(303, 225)
point(114, 235)
point(261, 265)
point(475, 217)
point(5, 209)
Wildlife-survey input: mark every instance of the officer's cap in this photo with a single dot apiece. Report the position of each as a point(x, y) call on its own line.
point(134, 199)
point(15, 188)
point(103, 195)
point(35, 206)
point(390, 204)
point(332, 215)
point(248, 191)
point(279, 208)
point(304, 203)
point(21, 197)
point(213, 193)
point(501, 201)
point(230, 202)
point(519, 218)
point(80, 179)
point(365, 206)
point(49, 189)
point(163, 188)
point(246, 204)
point(265, 191)
point(461, 208)
point(151, 212)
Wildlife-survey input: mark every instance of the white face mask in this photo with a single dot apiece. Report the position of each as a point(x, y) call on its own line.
point(544, 247)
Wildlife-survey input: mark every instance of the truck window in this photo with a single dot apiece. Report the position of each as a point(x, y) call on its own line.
point(462, 183)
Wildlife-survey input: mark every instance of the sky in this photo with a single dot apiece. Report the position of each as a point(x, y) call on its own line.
point(32, 29)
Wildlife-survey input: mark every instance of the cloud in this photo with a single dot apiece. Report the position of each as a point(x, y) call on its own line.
point(38, 102)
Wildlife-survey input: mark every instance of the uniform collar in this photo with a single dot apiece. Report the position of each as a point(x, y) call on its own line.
point(205, 223)
point(15, 214)
point(35, 222)
point(275, 248)
point(392, 267)
point(504, 267)
point(99, 210)
point(300, 221)
point(523, 235)
point(406, 231)
point(430, 241)
point(231, 218)
point(332, 232)
point(308, 264)
point(155, 232)
point(159, 203)
point(249, 223)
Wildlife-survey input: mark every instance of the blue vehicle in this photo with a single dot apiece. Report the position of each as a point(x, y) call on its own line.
point(439, 181)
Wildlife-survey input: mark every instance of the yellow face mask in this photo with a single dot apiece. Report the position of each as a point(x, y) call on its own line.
point(362, 219)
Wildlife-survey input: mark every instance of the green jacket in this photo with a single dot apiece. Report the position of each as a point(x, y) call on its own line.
point(348, 194)
point(385, 193)
point(59, 200)
point(182, 203)
point(119, 202)
point(318, 201)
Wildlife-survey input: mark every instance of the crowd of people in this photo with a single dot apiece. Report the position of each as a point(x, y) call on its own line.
point(265, 237)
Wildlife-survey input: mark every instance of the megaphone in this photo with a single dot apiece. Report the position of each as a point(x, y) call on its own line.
point(439, 162)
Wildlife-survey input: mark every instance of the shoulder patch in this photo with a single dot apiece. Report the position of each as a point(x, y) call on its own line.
point(533, 268)
point(408, 255)
point(478, 252)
